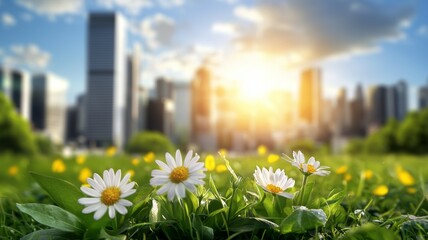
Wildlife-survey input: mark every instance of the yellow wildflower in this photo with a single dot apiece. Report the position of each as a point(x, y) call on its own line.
point(404, 176)
point(273, 158)
point(110, 151)
point(12, 171)
point(58, 166)
point(412, 190)
point(84, 174)
point(367, 174)
point(342, 169)
point(149, 157)
point(262, 150)
point(381, 190)
point(135, 161)
point(80, 159)
point(347, 177)
point(222, 152)
point(221, 168)
point(210, 162)
point(131, 172)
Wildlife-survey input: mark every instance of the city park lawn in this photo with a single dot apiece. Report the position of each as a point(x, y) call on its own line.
point(390, 189)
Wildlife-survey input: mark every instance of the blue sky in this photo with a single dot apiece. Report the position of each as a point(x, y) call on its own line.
point(371, 42)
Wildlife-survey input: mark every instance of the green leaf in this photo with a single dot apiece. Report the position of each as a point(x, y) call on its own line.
point(250, 224)
point(370, 232)
point(105, 235)
point(49, 234)
point(62, 192)
point(303, 219)
point(52, 216)
point(202, 232)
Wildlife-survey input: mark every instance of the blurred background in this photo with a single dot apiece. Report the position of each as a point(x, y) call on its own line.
point(337, 76)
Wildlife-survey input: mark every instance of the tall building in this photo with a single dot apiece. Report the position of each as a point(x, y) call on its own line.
point(358, 113)
point(49, 105)
point(203, 130)
point(423, 97)
point(81, 116)
point(16, 85)
point(132, 90)
point(71, 132)
point(342, 115)
point(143, 102)
point(106, 80)
point(182, 100)
point(398, 100)
point(160, 116)
point(164, 88)
point(310, 100)
point(378, 107)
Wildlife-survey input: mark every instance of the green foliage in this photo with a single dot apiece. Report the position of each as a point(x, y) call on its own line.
point(303, 219)
point(149, 142)
point(307, 146)
point(52, 216)
point(15, 134)
point(370, 232)
point(409, 136)
point(45, 145)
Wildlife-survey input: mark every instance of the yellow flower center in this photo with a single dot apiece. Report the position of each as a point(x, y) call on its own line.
point(273, 189)
point(110, 196)
point(179, 174)
point(311, 169)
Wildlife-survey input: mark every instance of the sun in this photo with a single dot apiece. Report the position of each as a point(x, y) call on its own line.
point(255, 75)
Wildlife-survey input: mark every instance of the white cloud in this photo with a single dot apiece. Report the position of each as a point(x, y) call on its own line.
point(224, 28)
point(30, 56)
point(248, 13)
point(52, 8)
point(131, 6)
point(305, 30)
point(423, 30)
point(158, 30)
point(7, 19)
point(170, 3)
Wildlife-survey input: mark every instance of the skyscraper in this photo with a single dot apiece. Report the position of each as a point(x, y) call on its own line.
point(16, 85)
point(49, 105)
point(164, 88)
point(342, 115)
point(132, 90)
point(310, 100)
point(423, 97)
point(203, 131)
point(358, 113)
point(378, 107)
point(106, 80)
point(182, 100)
point(397, 100)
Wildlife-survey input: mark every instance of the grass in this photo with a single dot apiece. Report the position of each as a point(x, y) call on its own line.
point(390, 212)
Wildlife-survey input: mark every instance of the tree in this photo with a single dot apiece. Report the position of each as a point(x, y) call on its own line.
point(15, 133)
point(149, 142)
point(412, 134)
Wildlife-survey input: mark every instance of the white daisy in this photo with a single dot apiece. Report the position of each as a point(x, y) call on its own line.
point(107, 193)
point(275, 182)
point(175, 176)
point(309, 168)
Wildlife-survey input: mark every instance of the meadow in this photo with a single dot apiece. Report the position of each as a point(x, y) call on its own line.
point(364, 197)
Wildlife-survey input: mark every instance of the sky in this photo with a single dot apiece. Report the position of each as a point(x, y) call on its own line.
point(262, 43)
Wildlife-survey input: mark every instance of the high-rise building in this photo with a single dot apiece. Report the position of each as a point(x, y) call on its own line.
point(106, 80)
point(310, 100)
point(378, 107)
point(398, 100)
point(342, 115)
point(143, 102)
point(132, 90)
point(423, 97)
point(358, 113)
point(71, 133)
point(182, 101)
point(164, 88)
point(203, 130)
point(160, 116)
point(81, 116)
point(16, 85)
point(49, 105)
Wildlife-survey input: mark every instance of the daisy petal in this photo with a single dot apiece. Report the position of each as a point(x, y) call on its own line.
point(100, 212)
point(120, 209)
point(91, 192)
point(91, 208)
point(111, 212)
point(88, 201)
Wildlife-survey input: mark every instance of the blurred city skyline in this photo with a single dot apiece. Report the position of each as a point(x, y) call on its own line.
point(367, 42)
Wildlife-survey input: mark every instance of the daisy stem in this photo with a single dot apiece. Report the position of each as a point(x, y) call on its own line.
point(302, 190)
